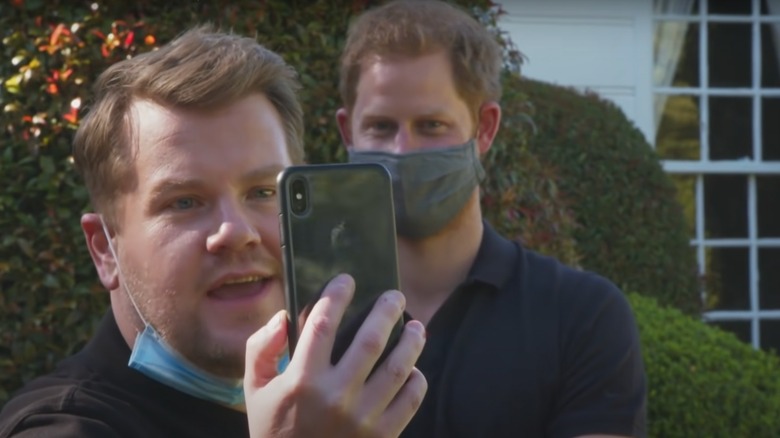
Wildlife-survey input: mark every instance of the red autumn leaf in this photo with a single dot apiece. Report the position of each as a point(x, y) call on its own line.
point(52, 89)
point(71, 116)
point(129, 39)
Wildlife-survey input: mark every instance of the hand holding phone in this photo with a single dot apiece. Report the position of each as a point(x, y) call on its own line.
point(313, 397)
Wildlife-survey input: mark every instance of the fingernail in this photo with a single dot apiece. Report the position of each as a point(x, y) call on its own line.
point(418, 327)
point(277, 320)
point(342, 280)
point(395, 297)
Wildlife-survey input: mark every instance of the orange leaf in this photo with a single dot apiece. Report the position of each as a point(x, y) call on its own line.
point(149, 40)
point(52, 89)
point(55, 36)
point(71, 116)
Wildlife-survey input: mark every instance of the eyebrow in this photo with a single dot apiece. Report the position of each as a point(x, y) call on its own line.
point(176, 184)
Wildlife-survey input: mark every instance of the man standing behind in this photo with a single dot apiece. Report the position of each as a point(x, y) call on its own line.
point(518, 344)
point(180, 153)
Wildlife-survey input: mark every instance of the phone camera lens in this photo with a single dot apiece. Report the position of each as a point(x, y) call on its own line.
point(299, 201)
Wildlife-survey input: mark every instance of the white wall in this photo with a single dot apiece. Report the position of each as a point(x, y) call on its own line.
point(601, 45)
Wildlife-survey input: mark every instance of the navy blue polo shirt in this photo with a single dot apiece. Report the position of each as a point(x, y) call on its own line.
point(527, 346)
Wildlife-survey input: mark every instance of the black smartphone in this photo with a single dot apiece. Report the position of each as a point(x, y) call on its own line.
point(337, 218)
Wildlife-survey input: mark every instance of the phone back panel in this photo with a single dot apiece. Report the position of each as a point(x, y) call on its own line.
point(348, 226)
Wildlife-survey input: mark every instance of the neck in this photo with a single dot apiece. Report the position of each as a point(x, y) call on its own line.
point(433, 267)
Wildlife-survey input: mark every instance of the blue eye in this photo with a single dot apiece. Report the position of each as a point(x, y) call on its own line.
point(183, 203)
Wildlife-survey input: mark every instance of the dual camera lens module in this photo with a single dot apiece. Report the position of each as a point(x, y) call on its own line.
point(299, 196)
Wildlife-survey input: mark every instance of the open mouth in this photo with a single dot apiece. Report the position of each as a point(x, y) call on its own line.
point(239, 288)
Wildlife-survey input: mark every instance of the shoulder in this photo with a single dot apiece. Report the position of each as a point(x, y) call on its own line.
point(573, 290)
point(53, 406)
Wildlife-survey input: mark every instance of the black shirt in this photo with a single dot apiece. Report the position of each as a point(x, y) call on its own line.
point(95, 394)
point(529, 347)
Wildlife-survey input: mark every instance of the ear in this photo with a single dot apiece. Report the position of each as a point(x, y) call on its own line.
point(97, 242)
point(342, 119)
point(489, 121)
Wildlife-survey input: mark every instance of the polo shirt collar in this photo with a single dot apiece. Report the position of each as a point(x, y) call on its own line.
point(496, 259)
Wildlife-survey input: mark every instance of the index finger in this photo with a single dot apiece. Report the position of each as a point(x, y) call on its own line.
point(318, 334)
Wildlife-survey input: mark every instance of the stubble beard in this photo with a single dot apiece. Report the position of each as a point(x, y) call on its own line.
point(194, 343)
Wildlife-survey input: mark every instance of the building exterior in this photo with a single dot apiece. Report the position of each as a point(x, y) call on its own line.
point(701, 80)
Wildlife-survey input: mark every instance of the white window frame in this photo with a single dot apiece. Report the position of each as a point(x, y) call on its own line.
point(751, 168)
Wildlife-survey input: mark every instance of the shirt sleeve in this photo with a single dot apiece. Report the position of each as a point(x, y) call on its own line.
point(602, 384)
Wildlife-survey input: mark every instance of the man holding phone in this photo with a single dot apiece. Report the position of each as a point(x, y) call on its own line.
point(518, 344)
point(180, 153)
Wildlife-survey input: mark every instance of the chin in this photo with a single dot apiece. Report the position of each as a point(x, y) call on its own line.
point(222, 357)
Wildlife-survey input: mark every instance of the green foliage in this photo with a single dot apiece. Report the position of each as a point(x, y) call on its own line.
point(520, 196)
point(631, 228)
point(703, 381)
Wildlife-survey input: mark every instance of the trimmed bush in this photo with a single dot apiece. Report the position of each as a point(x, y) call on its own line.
point(631, 227)
point(520, 196)
point(703, 381)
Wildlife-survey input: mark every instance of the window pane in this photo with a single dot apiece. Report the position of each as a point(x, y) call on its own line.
point(729, 55)
point(665, 7)
point(740, 328)
point(730, 7)
point(686, 196)
point(725, 206)
point(769, 278)
point(731, 134)
point(765, 9)
point(770, 334)
point(676, 54)
point(770, 50)
point(726, 279)
point(770, 128)
point(768, 188)
point(678, 133)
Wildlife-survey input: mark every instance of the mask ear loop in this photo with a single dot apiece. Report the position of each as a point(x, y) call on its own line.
point(119, 268)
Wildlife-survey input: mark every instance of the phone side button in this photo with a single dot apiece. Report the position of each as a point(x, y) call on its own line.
point(281, 233)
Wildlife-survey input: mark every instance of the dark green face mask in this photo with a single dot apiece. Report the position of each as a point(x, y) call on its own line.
point(430, 187)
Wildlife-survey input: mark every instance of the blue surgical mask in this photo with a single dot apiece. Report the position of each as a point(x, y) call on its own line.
point(154, 358)
point(430, 187)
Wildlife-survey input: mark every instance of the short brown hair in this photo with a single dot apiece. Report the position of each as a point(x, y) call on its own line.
point(420, 27)
point(200, 69)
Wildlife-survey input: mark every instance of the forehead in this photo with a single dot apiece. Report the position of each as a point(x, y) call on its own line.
point(421, 83)
point(217, 142)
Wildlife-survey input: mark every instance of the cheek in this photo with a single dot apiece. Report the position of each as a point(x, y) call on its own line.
point(269, 234)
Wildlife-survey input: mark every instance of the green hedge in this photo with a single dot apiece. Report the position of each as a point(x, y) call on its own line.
point(704, 382)
point(630, 226)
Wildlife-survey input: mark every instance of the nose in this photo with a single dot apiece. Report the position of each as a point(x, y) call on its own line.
point(404, 141)
point(234, 232)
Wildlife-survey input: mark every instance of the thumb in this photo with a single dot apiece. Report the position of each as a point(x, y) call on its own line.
point(263, 350)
